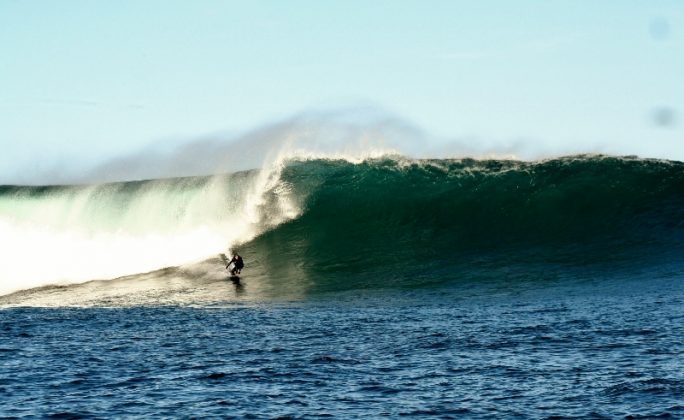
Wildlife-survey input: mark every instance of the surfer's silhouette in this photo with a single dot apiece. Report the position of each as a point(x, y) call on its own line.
point(238, 264)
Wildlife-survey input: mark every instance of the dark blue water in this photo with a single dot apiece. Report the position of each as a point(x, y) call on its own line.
point(593, 348)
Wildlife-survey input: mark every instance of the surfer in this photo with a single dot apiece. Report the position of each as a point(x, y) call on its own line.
point(238, 264)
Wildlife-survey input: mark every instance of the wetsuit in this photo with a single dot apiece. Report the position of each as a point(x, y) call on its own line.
point(237, 265)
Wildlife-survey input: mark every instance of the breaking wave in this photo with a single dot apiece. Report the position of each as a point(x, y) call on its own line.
point(320, 225)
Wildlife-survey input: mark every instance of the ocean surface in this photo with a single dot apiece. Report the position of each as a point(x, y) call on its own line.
point(384, 287)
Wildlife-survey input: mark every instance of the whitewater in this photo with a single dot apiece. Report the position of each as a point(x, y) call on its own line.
point(69, 234)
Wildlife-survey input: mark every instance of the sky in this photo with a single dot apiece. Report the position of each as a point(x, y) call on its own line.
point(82, 82)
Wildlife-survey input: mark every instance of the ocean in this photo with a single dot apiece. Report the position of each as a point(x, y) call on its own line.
point(381, 287)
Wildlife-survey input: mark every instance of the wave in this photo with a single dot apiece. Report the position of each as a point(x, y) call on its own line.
point(318, 225)
point(389, 222)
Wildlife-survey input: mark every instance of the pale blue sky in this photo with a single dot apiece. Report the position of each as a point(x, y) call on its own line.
point(85, 80)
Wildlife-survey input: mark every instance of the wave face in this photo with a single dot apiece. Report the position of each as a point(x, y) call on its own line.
point(320, 225)
point(394, 222)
